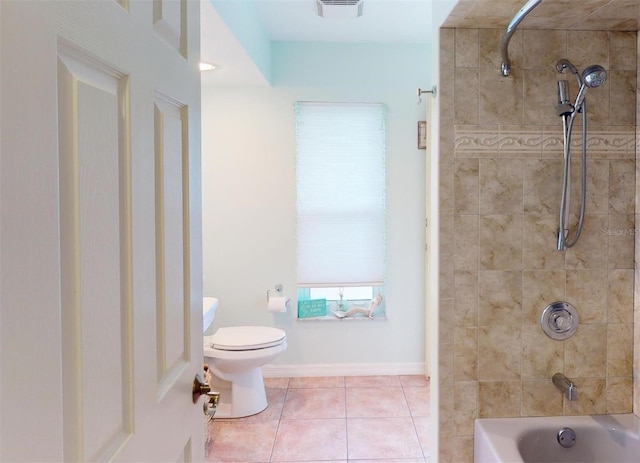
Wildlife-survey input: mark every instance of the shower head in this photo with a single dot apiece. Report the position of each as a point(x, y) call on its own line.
point(594, 76)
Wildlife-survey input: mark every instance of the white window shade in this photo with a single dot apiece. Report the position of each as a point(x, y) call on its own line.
point(340, 193)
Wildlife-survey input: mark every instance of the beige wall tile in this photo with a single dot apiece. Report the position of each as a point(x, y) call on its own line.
point(499, 399)
point(540, 96)
point(623, 51)
point(597, 186)
point(446, 276)
point(503, 227)
point(490, 57)
point(540, 398)
point(445, 401)
point(621, 234)
point(500, 185)
point(619, 395)
point(445, 365)
point(544, 48)
point(465, 233)
point(465, 363)
point(477, 141)
point(542, 356)
point(620, 296)
point(465, 398)
point(622, 186)
point(446, 188)
point(500, 242)
point(466, 186)
point(445, 319)
point(539, 242)
point(636, 357)
point(552, 145)
point(598, 105)
point(592, 398)
point(587, 291)
point(585, 352)
point(463, 449)
point(591, 249)
point(445, 444)
point(499, 358)
point(465, 312)
point(588, 47)
point(446, 235)
point(539, 289)
point(466, 103)
point(467, 48)
point(520, 141)
point(500, 298)
point(622, 97)
point(542, 184)
point(500, 101)
point(619, 350)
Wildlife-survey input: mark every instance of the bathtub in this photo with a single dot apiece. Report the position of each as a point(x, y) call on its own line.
point(599, 439)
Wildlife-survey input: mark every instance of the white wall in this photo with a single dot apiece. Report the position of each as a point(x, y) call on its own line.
point(249, 224)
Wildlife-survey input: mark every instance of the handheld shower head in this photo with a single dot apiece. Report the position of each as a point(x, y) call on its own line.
point(594, 76)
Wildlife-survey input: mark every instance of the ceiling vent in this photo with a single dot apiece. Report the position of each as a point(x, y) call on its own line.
point(340, 9)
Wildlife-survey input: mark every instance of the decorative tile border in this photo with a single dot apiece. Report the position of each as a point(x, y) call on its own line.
point(509, 141)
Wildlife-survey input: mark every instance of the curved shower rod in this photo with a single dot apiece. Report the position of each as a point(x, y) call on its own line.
point(511, 28)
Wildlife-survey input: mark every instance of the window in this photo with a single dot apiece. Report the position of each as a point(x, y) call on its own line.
point(340, 196)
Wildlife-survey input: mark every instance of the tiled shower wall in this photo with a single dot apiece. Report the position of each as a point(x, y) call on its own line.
point(501, 175)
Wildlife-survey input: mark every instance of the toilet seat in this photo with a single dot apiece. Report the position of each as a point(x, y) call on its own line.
point(242, 338)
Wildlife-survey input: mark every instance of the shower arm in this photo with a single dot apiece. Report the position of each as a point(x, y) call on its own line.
point(511, 28)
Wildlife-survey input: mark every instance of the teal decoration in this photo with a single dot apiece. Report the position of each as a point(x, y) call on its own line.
point(312, 308)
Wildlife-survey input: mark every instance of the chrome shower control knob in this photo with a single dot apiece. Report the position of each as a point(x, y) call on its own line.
point(559, 320)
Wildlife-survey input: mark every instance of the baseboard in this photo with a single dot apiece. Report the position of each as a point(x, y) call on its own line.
point(342, 369)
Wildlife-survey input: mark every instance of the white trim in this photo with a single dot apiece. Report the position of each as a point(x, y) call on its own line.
point(342, 369)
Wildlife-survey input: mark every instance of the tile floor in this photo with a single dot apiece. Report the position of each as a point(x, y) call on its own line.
point(384, 419)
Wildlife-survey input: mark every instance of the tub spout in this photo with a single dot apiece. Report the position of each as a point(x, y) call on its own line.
point(565, 385)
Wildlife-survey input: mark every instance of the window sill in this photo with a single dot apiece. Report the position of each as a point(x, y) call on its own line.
point(332, 317)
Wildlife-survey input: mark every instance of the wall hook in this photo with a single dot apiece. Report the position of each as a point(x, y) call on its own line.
point(420, 92)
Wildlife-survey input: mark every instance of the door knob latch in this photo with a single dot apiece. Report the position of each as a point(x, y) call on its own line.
point(211, 403)
point(199, 388)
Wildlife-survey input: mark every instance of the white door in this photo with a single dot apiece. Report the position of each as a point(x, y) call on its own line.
point(101, 272)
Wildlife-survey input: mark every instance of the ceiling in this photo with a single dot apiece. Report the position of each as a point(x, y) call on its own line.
point(387, 21)
point(392, 21)
point(382, 21)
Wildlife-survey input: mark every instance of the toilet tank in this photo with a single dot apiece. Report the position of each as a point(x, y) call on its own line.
point(209, 306)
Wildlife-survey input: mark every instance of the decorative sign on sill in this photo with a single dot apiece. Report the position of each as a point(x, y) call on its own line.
point(312, 308)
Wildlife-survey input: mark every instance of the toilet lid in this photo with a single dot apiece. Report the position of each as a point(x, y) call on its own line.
point(246, 337)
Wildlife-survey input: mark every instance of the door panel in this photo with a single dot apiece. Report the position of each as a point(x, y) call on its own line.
point(171, 247)
point(95, 256)
point(100, 252)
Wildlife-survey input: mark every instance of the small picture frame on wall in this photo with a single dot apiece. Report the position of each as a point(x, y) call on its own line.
point(422, 135)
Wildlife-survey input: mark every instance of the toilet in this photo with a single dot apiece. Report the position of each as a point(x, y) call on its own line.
point(235, 356)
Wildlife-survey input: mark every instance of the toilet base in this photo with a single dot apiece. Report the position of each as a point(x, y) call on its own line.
point(242, 394)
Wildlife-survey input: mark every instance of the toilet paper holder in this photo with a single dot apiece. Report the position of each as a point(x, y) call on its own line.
point(278, 290)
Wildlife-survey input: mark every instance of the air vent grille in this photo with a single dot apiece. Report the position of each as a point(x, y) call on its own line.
point(341, 9)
